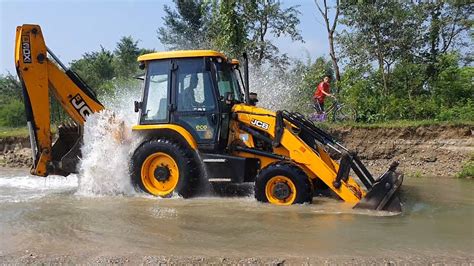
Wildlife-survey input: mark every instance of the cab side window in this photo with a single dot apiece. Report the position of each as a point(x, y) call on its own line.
point(156, 108)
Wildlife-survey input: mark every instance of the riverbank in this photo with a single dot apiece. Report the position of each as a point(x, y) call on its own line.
point(432, 150)
point(422, 150)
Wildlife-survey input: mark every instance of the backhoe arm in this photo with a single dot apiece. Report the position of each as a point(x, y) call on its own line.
point(40, 73)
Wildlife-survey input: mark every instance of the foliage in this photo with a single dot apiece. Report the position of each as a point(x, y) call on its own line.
point(125, 57)
point(13, 132)
point(232, 26)
point(188, 26)
point(104, 69)
point(12, 114)
point(467, 170)
point(95, 68)
point(450, 98)
point(268, 17)
point(229, 21)
point(458, 112)
point(10, 88)
point(12, 110)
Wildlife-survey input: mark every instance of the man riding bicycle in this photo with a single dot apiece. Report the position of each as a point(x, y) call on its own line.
point(321, 92)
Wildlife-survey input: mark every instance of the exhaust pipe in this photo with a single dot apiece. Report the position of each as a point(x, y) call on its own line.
point(246, 78)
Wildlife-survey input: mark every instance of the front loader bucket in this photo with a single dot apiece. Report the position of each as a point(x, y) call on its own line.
point(383, 196)
point(66, 150)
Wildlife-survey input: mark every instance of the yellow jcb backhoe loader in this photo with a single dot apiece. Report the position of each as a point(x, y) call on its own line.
point(199, 121)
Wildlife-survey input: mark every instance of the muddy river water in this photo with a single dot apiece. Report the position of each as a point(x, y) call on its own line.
point(47, 216)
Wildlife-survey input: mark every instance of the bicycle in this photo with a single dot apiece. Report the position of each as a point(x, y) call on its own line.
point(337, 112)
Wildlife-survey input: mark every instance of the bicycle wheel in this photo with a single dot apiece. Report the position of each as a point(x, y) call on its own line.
point(344, 113)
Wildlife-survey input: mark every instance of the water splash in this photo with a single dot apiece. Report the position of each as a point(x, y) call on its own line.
point(39, 183)
point(24, 187)
point(108, 146)
point(276, 90)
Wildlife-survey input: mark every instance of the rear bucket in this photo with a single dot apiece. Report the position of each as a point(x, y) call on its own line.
point(384, 193)
point(66, 150)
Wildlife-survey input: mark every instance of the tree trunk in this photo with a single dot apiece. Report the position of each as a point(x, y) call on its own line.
point(384, 75)
point(331, 29)
point(332, 53)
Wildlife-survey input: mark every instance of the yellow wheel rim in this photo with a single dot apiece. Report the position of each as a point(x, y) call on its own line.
point(151, 179)
point(280, 190)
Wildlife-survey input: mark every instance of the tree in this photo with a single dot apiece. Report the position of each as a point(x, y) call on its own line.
point(382, 32)
point(447, 22)
point(268, 17)
point(331, 29)
point(228, 31)
point(95, 68)
point(231, 26)
point(10, 88)
point(187, 26)
point(125, 59)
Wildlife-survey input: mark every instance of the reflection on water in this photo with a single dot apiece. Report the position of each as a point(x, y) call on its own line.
point(46, 215)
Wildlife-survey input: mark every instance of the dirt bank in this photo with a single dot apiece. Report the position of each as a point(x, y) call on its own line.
point(15, 152)
point(421, 151)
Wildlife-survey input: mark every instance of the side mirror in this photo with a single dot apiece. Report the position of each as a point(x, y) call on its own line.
point(141, 65)
point(253, 98)
point(138, 106)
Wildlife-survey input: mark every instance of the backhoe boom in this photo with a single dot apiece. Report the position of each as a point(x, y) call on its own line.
point(42, 75)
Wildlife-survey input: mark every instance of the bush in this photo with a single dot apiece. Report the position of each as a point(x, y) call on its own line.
point(457, 112)
point(467, 170)
point(12, 114)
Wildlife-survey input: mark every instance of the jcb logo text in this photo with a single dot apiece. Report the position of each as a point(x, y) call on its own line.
point(259, 124)
point(80, 105)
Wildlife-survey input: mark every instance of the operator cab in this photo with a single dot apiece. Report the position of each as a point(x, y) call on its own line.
point(192, 89)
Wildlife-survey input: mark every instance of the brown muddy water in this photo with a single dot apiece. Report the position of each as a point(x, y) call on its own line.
point(46, 216)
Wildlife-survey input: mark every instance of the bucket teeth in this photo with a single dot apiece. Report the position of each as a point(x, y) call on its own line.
point(67, 128)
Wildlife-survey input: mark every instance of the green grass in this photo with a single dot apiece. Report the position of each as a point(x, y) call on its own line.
point(13, 132)
point(400, 124)
point(467, 170)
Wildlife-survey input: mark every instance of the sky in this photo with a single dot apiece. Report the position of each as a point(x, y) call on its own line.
point(72, 28)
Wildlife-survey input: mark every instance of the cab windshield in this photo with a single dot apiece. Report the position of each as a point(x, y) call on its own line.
point(227, 81)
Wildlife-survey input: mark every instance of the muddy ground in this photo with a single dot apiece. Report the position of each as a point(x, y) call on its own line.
point(33, 258)
point(437, 151)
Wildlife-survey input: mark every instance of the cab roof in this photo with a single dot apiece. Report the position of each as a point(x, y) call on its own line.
point(180, 54)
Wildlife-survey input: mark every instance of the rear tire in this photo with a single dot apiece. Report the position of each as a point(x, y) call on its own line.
point(283, 184)
point(161, 167)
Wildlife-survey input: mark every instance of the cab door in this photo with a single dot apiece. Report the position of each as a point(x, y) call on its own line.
point(195, 101)
point(156, 96)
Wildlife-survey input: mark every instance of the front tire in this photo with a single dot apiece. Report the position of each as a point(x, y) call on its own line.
point(161, 167)
point(283, 184)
